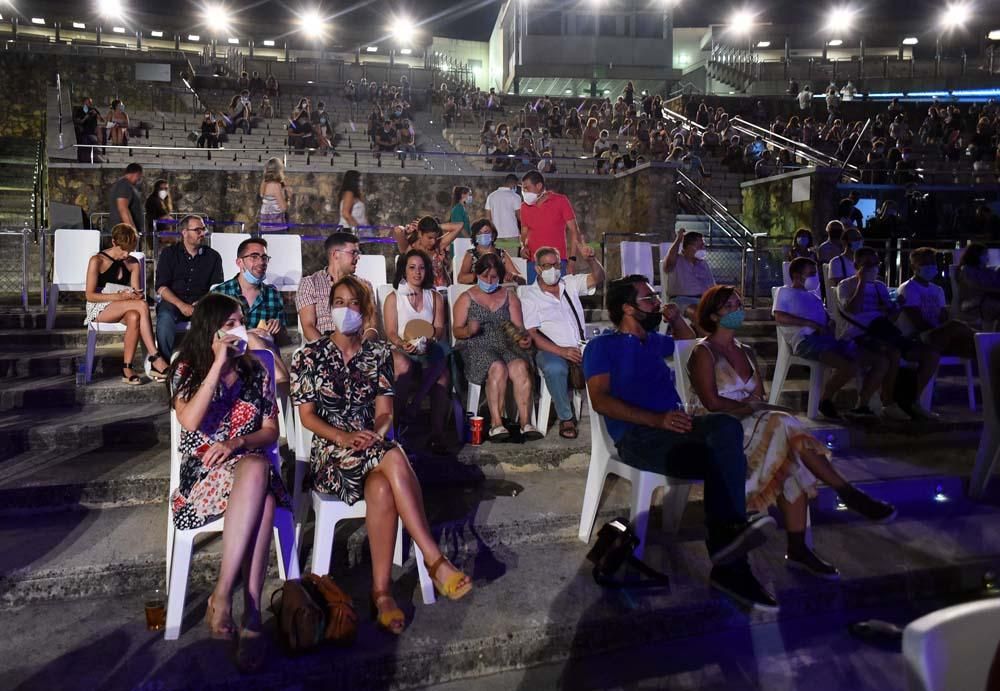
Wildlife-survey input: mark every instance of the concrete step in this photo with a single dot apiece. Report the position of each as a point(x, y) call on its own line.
point(534, 602)
point(61, 391)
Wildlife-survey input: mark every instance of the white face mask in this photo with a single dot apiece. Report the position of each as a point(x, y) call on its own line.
point(346, 320)
point(550, 276)
point(812, 283)
point(241, 346)
point(701, 255)
point(529, 197)
point(162, 194)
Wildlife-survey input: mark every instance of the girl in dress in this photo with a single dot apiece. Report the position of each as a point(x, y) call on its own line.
point(274, 196)
point(343, 387)
point(352, 201)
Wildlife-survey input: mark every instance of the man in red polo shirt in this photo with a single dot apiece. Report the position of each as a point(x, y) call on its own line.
point(545, 218)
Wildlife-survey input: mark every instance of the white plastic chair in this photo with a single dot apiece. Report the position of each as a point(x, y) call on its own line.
point(520, 263)
point(682, 353)
point(953, 648)
point(637, 258)
point(473, 391)
point(73, 249)
point(785, 359)
point(180, 543)
point(284, 271)
point(226, 245)
point(330, 510)
point(460, 246)
point(604, 461)
point(371, 267)
point(94, 328)
point(988, 455)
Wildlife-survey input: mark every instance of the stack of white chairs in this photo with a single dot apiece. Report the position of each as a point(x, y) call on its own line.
point(952, 648)
point(180, 543)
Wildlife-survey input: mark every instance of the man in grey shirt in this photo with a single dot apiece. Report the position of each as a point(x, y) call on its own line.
point(125, 199)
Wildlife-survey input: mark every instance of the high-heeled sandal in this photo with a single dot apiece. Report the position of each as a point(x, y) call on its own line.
point(392, 620)
point(450, 588)
point(130, 379)
point(225, 632)
point(157, 374)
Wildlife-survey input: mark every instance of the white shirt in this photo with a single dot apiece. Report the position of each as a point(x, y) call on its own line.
point(873, 305)
point(842, 267)
point(502, 203)
point(799, 303)
point(929, 298)
point(805, 98)
point(553, 316)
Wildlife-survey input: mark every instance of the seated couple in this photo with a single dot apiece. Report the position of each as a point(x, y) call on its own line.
point(749, 454)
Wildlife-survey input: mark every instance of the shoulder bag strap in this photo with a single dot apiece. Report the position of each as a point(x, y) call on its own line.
point(579, 324)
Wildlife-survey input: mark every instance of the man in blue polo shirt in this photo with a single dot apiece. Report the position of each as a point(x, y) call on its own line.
point(631, 386)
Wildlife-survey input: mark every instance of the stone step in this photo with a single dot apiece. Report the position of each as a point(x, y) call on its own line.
point(61, 391)
point(534, 602)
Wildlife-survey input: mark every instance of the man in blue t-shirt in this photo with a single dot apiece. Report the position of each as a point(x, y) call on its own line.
point(631, 386)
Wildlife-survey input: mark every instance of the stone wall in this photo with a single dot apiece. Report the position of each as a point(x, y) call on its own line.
point(23, 81)
point(643, 201)
point(768, 206)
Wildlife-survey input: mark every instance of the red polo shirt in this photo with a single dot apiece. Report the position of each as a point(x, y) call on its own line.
point(546, 222)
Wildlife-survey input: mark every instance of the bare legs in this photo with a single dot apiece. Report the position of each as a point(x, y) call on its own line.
point(496, 388)
point(134, 314)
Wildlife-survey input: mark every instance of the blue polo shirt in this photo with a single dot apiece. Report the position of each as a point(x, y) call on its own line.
point(639, 376)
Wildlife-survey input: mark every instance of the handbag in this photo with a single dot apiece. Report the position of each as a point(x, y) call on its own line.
point(341, 619)
point(311, 610)
point(575, 378)
point(615, 547)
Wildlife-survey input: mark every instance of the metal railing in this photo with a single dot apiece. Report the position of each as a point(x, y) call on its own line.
point(14, 278)
point(803, 151)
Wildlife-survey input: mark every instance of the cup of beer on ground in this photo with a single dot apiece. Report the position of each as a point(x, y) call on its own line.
point(155, 602)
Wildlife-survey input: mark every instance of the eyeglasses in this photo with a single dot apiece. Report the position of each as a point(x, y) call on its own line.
point(257, 257)
point(549, 265)
point(353, 253)
point(197, 229)
point(649, 298)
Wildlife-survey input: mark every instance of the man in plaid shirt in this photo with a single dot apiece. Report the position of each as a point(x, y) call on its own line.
point(263, 310)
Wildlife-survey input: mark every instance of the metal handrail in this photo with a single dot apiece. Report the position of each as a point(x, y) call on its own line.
point(805, 151)
point(23, 233)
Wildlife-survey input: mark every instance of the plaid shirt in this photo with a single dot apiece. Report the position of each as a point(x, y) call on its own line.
point(314, 289)
point(268, 304)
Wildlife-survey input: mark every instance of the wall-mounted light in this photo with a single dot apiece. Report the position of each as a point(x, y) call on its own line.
point(79, 25)
point(269, 43)
point(156, 34)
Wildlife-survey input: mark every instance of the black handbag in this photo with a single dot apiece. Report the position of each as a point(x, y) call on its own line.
point(615, 547)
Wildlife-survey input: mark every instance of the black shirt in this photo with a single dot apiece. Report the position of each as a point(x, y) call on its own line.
point(188, 277)
point(123, 189)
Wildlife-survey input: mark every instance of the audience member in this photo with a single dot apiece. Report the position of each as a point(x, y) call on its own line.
point(185, 272)
point(503, 208)
point(225, 406)
point(416, 327)
point(484, 236)
point(807, 328)
point(159, 205)
point(312, 301)
point(342, 385)
point(433, 238)
point(842, 266)
point(125, 199)
point(386, 139)
point(632, 388)
point(925, 312)
point(979, 287)
point(209, 136)
point(240, 112)
point(351, 201)
point(494, 346)
point(275, 196)
point(556, 325)
point(86, 121)
point(546, 218)
point(832, 247)
point(118, 124)
point(461, 198)
point(802, 245)
point(784, 459)
point(687, 270)
point(114, 296)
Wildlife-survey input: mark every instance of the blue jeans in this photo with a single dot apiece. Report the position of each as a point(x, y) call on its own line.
point(555, 369)
point(532, 276)
point(712, 451)
point(167, 318)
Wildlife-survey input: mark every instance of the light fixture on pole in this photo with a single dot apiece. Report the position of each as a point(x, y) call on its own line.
point(313, 24)
point(110, 9)
point(217, 18)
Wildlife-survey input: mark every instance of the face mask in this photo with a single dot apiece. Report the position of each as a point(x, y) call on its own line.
point(487, 287)
point(733, 320)
point(484, 240)
point(530, 197)
point(650, 321)
point(251, 279)
point(701, 255)
point(86, 109)
point(467, 200)
point(240, 332)
point(346, 320)
point(812, 283)
point(803, 241)
point(550, 276)
point(857, 244)
point(162, 194)
point(122, 107)
point(928, 273)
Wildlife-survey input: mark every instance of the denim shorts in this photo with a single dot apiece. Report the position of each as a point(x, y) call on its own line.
point(813, 346)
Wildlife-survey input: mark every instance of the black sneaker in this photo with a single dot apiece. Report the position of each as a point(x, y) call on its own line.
point(738, 582)
point(866, 505)
point(828, 410)
point(810, 562)
point(741, 539)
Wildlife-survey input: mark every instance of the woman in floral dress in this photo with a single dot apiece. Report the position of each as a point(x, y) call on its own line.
point(342, 386)
point(224, 402)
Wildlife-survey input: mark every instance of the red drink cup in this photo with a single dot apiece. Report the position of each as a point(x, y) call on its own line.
point(476, 424)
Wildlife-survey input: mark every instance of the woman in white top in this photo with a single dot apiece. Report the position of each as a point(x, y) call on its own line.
point(842, 266)
point(352, 202)
point(274, 196)
point(421, 363)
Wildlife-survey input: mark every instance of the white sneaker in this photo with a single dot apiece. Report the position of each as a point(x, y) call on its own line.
point(921, 413)
point(894, 412)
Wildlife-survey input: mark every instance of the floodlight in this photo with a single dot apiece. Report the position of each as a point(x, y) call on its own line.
point(402, 29)
point(269, 43)
point(955, 16)
point(910, 41)
point(529, 91)
point(194, 37)
point(313, 24)
point(840, 19)
point(763, 44)
point(79, 25)
point(372, 49)
point(233, 41)
point(38, 20)
point(741, 21)
point(406, 51)
point(118, 29)
point(156, 34)
point(994, 35)
point(567, 91)
point(110, 8)
point(835, 42)
point(216, 18)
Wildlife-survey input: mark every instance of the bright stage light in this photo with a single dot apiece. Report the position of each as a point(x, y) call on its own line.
point(835, 42)
point(216, 18)
point(79, 25)
point(910, 41)
point(840, 19)
point(312, 23)
point(955, 16)
point(763, 44)
point(269, 43)
point(402, 29)
point(741, 21)
point(118, 29)
point(156, 34)
point(111, 9)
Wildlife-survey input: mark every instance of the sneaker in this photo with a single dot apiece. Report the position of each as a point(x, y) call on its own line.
point(918, 412)
point(742, 539)
point(895, 413)
point(828, 410)
point(738, 582)
point(866, 505)
point(811, 563)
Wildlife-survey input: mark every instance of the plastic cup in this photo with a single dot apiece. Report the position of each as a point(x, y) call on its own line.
point(155, 602)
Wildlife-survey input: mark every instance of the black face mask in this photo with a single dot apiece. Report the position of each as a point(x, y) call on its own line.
point(650, 321)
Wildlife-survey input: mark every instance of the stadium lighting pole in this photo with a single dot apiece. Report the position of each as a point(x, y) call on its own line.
point(955, 16)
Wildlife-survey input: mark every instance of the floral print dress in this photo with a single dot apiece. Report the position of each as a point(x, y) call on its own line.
point(235, 411)
point(344, 395)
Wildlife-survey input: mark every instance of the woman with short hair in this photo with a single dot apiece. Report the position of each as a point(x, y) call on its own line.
point(484, 238)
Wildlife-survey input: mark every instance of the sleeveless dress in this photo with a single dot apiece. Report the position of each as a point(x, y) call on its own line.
point(490, 344)
point(359, 212)
point(772, 441)
point(436, 351)
point(270, 212)
point(114, 279)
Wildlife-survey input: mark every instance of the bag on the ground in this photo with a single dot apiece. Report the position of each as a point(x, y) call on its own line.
point(299, 616)
point(615, 547)
point(341, 619)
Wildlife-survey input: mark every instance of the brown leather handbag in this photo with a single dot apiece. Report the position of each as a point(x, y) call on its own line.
point(341, 619)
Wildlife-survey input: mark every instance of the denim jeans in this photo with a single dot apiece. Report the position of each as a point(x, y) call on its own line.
point(712, 451)
point(555, 369)
point(167, 318)
point(533, 276)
